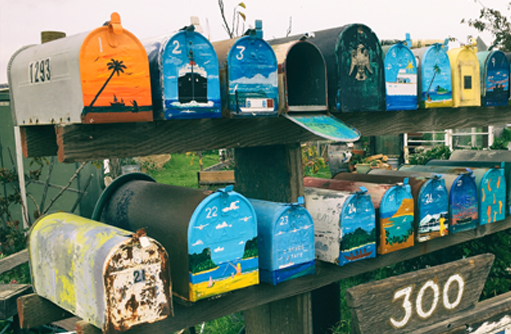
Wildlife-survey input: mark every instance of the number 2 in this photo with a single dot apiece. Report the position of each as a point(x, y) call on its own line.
point(139, 275)
point(212, 212)
point(176, 48)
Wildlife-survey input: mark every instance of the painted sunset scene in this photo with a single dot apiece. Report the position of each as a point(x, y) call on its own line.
point(115, 80)
point(397, 230)
point(464, 206)
point(401, 78)
point(191, 86)
point(253, 80)
point(436, 79)
point(497, 80)
point(222, 247)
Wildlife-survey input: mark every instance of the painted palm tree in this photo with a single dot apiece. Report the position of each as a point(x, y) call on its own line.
point(436, 70)
point(116, 67)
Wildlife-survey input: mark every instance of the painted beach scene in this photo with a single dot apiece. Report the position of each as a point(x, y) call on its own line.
point(396, 222)
point(190, 78)
point(433, 211)
point(400, 78)
point(436, 79)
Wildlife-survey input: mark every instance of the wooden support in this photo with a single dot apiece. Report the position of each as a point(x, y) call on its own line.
point(38, 141)
point(14, 260)
point(216, 177)
point(36, 311)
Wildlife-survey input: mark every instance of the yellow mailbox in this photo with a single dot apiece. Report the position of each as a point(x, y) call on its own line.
point(466, 90)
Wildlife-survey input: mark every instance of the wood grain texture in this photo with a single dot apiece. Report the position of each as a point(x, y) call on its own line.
point(34, 311)
point(38, 141)
point(373, 306)
point(211, 177)
point(396, 122)
point(14, 260)
point(326, 274)
point(9, 293)
point(83, 327)
point(82, 142)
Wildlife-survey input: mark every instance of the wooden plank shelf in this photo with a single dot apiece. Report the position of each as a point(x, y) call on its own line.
point(84, 142)
point(326, 273)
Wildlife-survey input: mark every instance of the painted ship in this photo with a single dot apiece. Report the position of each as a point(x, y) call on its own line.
point(406, 84)
point(193, 84)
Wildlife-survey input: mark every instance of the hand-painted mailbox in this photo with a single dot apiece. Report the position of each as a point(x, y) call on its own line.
point(478, 158)
point(248, 75)
point(431, 201)
point(96, 77)
point(463, 205)
point(211, 237)
point(494, 74)
point(466, 86)
point(491, 188)
point(400, 78)
point(354, 60)
point(303, 89)
point(285, 240)
point(111, 278)
point(344, 224)
point(435, 86)
point(184, 76)
point(393, 204)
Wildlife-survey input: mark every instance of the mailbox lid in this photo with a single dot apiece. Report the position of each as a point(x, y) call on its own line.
point(222, 245)
point(190, 77)
point(465, 77)
point(435, 77)
point(82, 266)
point(286, 235)
point(494, 74)
point(252, 78)
point(433, 210)
point(400, 78)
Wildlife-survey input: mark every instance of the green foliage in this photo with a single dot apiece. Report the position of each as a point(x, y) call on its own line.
point(250, 249)
point(12, 238)
point(358, 238)
point(312, 161)
point(201, 262)
point(503, 141)
point(497, 24)
point(230, 324)
point(440, 152)
point(397, 239)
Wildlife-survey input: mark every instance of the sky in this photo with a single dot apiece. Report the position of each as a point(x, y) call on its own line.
point(21, 21)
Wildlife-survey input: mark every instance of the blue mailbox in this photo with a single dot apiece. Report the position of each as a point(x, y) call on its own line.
point(494, 74)
point(400, 78)
point(248, 75)
point(184, 76)
point(285, 240)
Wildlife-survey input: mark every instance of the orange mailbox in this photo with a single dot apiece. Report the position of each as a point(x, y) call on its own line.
point(100, 76)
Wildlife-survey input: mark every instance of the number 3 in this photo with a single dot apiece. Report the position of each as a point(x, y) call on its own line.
point(240, 55)
point(407, 305)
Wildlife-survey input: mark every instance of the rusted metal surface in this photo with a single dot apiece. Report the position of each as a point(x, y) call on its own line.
point(110, 277)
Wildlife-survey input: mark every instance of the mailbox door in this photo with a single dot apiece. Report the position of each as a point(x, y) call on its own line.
point(433, 210)
point(464, 207)
point(396, 220)
point(222, 245)
point(400, 78)
point(358, 229)
point(436, 78)
point(191, 85)
point(492, 194)
point(495, 79)
point(253, 78)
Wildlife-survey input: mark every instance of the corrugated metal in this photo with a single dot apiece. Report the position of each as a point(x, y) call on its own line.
point(107, 276)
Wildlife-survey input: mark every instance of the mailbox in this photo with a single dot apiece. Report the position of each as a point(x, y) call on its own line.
point(482, 158)
point(463, 205)
point(393, 204)
point(248, 75)
point(494, 74)
point(100, 76)
point(431, 201)
point(435, 87)
point(466, 86)
point(400, 78)
point(354, 60)
point(184, 76)
point(491, 187)
point(285, 240)
point(109, 277)
point(211, 238)
point(344, 224)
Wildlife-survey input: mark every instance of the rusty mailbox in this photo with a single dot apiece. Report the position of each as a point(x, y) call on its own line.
point(111, 278)
point(463, 206)
point(285, 240)
point(100, 76)
point(494, 74)
point(184, 76)
point(344, 224)
point(491, 188)
point(466, 86)
point(393, 204)
point(211, 238)
point(248, 75)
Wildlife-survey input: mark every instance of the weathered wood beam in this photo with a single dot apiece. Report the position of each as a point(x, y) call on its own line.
point(14, 260)
point(38, 141)
point(34, 311)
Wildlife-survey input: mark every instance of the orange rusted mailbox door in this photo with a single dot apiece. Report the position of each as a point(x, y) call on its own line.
point(100, 76)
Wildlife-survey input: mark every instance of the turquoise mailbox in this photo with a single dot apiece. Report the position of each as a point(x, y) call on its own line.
point(285, 240)
point(494, 74)
point(248, 75)
point(184, 76)
point(400, 78)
